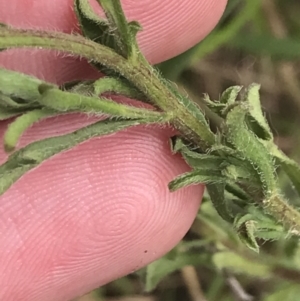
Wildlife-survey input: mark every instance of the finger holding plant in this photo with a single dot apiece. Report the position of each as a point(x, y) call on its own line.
point(238, 162)
point(241, 156)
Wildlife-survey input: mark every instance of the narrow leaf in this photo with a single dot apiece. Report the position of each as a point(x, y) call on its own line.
point(124, 32)
point(251, 149)
point(287, 48)
point(236, 191)
point(227, 99)
point(194, 159)
point(235, 263)
point(8, 113)
point(117, 86)
point(104, 85)
point(291, 168)
point(159, 269)
point(196, 177)
point(93, 26)
point(216, 192)
point(8, 102)
point(15, 84)
point(258, 121)
point(63, 101)
point(246, 229)
point(284, 291)
point(19, 125)
point(230, 95)
point(37, 152)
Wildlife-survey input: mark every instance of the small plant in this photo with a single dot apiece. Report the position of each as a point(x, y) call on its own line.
point(238, 162)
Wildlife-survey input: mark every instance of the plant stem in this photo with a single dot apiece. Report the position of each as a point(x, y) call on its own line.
point(278, 207)
point(185, 119)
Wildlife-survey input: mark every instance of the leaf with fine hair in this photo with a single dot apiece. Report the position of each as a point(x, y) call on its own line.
point(19, 86)
point(107, 84)
point(238, 264)
point(227, 99)
point(10, 107)
point(216, 193)
point(284, 290)
point(124, 32)
point(63, 101)
point(159, 269)
point(117, 86)
point(194, 159)
point(290, 167)
point(230, 95)
point(37, 152)
point(202, 165)
point(93, 26)
point(251, 149)
point(246, 228)
point(196, 177)
point(8, 113)
point(257, 121)
point(16, 128)
point(15, 103)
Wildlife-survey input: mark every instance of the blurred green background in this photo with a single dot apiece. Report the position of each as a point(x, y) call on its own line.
point(255, 41)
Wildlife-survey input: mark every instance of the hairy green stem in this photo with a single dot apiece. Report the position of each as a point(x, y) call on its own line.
point(20, 124)
point(185, 119)
point(278, 207)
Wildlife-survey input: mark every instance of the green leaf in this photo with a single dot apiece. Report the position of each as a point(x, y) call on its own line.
point(12, 106)
point(230, 95)
point(237, 192)
point(291, 168)
point(251, 149)
point(265, 226)
point(124, 32)
point(63, 101)
point(37, 152)
point(194, 159)
point(3, 25)
point(196, 177)
point(227, 99)
point(16, 128)
point(117, 86)
point(159, 269)
point(285, 291)
point(216, 192)
point(93, 26)
point(287, 48)
point(246, 228)
point(8, 113)
point(105, 84)
point(240, 265)
point(258, 122)
point(15, 103)
point(17, 85)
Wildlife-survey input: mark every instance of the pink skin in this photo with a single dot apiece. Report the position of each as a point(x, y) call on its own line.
point(101, 210)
